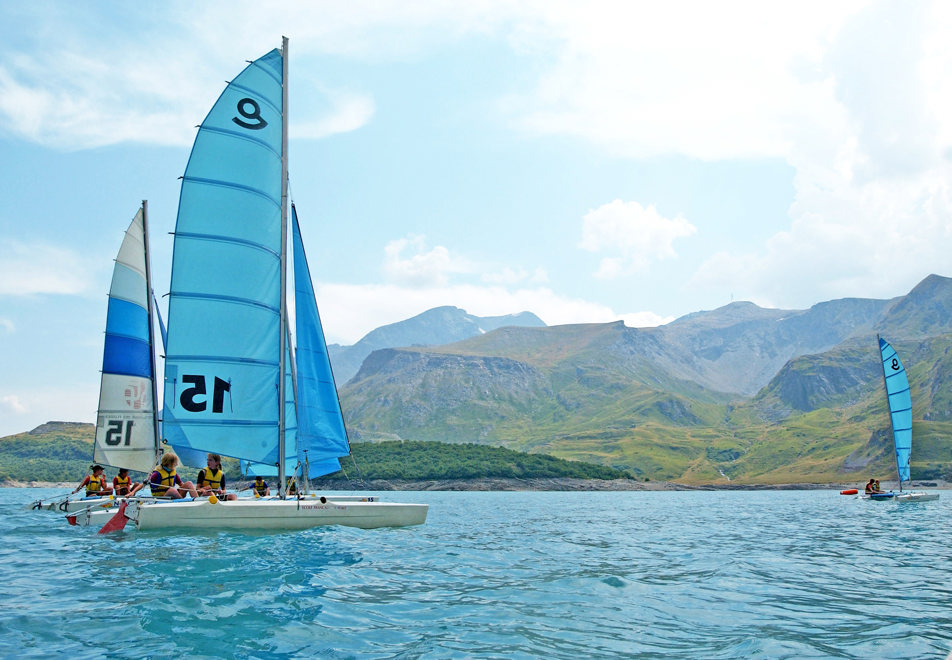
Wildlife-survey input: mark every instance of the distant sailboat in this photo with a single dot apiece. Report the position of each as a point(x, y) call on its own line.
point(900, 418)
point(229, 363)
point(127, 427)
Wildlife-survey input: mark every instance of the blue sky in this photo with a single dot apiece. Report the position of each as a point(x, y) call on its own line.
point(587, 162)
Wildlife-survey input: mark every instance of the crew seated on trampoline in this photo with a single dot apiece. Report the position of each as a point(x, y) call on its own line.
point(95, 483)
point(260, 487)
point(122, 483)
point(211, 479)
point(166, 483)
point(872, 487)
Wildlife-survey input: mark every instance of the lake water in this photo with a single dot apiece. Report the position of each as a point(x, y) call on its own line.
point(796, 574)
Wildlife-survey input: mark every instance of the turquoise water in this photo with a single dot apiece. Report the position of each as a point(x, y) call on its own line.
point(806, 574)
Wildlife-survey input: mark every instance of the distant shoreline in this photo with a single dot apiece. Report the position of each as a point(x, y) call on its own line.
point(535, 484)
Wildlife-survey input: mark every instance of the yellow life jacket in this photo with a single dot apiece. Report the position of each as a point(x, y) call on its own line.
point(166, 481)
point(261, 487)
point(122, 483)
point(211, 479)
point(94, 485)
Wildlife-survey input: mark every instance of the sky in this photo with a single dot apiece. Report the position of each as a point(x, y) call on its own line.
point(585, 161)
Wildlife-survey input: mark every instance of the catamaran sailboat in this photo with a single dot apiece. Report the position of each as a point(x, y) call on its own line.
point(900, 418)
point(126, 424)
point(233, 384)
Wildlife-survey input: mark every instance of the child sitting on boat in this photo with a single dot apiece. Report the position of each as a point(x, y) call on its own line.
point(211, 479)
point(95, 483)
point(166, 483)
point(122, 483)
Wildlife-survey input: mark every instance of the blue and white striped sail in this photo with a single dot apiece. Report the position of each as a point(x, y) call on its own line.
point(125, 424)
point(900, 407)
point(322, 437)
point(222, 368)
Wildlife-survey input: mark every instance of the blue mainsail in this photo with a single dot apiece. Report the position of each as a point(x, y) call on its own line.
point(290, 433)
point(125, 425)
point(322, 436)
point(223, 361)
point(900, 407)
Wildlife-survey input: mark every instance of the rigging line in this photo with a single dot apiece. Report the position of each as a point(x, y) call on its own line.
point(360, 478)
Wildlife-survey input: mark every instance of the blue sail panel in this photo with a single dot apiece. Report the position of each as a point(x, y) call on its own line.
point(223, 342)
point(127, 319)
point(290, 429)
point(127, 356)
point(321, 431)
point(900, 406)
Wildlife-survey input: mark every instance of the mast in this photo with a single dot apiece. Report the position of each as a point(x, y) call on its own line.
point(151, 310)
point(284, 259)
point(892, 427)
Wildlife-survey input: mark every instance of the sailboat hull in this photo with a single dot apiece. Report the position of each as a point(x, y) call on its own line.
point(71, 506)
point(264, 514)
point(916, 497)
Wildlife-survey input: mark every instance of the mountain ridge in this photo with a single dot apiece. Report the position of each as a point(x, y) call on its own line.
point(711, 397)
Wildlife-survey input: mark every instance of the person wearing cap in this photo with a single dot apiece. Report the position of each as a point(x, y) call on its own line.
point(95, 483)
point(122, 483)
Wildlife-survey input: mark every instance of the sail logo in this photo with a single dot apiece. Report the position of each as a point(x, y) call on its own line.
point(135, 396)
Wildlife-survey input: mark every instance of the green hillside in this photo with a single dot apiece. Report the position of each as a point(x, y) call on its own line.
point(576, 394)
point(61, 452)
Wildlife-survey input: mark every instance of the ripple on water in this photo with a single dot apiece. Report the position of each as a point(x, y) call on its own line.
point(556, 575)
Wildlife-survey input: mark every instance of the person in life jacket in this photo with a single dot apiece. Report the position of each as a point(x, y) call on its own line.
point(95, 483)
point(122, 483)
point(260, 487)
point(211, 479)
point(166, 483)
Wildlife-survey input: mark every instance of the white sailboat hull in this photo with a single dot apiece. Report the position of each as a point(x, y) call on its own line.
point(916, 497)
point(71, 506)
point(265, 514)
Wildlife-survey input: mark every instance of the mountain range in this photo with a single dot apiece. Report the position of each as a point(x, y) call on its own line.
point(739, 394)
point(440, 325)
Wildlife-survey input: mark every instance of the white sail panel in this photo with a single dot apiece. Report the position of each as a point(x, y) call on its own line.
point(125, 429)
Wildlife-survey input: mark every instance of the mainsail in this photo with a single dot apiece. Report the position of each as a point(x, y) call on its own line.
point(224, 361)
point(126, 428)
point(900, 407)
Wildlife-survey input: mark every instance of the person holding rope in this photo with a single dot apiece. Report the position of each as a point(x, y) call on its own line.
point(95, 483)
point(211, 479)
point(165, 482)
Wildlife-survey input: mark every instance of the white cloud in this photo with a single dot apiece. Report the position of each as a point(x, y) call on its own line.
point(11, 404)
point(642, 80)
point(873, 209)
point(637, 234)
point(349, 111)
point(421, 268)
point(38, 268)
point(7, 325)
point(510, 276)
